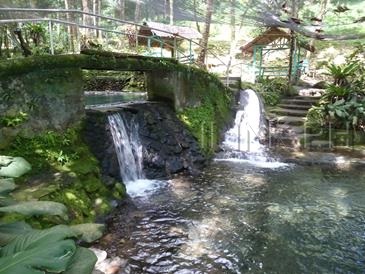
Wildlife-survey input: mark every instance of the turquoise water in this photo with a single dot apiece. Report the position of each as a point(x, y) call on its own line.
point(108, 99)
point(237, 218)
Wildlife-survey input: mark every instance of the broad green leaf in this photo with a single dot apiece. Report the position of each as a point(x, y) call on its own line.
point(13, 166)
point(37, 208)
point(38, 259)
point(89, 232)
point(8, 232)
point(37, 238)
point(6, 186)
point(82, 262)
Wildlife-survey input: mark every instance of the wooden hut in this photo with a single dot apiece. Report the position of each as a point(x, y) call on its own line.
point(165, 36)
point(273, 39)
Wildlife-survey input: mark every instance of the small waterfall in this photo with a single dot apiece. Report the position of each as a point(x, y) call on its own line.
point(128, 148)
point(129, 151)
point(242, 141)
point(248, 125)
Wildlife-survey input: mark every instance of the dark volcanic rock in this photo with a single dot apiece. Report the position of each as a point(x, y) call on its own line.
point(168, 147)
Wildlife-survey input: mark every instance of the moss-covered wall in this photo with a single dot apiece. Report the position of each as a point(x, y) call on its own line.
point(40, 100)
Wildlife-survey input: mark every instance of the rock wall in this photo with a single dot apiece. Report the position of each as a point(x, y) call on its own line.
point(168, 147)
point(41, 100)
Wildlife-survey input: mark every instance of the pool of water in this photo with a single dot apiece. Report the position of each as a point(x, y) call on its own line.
point(237, 218)
point(105, 99)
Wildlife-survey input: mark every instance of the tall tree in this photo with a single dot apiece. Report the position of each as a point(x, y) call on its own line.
point(204, 42)
point(137, 12)
point(171, 15)
point(122, 9)
point(294, 14)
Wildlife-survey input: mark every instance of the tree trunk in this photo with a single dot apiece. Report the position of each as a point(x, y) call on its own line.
point(87, 20)
point(137, 12)
point(196, 17)
point(25, 47)
point(171, 12)
point(96, 10)
point(122, 9)
point(322, 12)
point(292, 44)
point(233, 38)
point(204, 43)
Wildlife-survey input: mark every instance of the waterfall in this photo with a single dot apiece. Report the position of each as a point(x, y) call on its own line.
point(242, 141)
point(248, 125)
point(129, 152)
point(128, 148)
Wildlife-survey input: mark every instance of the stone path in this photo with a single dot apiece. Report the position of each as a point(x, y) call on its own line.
point(287, 121)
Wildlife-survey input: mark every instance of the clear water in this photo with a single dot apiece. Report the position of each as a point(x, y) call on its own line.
point(238, 218)
point(93, 100)
point(127, 146)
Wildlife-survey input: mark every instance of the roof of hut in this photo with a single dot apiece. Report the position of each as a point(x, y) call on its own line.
point(269, 36)
point(186, 32)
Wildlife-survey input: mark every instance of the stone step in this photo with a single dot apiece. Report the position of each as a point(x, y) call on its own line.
point(310, 98)
point(290, 112)
point(294, 106)
point(290, 120)
point(299, 102)
point(290, 129)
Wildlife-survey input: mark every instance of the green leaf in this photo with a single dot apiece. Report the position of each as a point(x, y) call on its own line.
point(40, 259)
point(82, 262)
point(38, 237)
point(6, 186)
point(38, 251)
point(8, 232)
point(37, 208)
point(89, 232)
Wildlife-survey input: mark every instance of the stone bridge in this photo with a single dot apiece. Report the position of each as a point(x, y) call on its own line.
point(46, 92)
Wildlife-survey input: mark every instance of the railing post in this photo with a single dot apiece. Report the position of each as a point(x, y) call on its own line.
point(50, 36)
point(190, 52)
point(77, 30)
point(161, 46)
point(175, 48)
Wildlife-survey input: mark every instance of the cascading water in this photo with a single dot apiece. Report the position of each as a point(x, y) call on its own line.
point(248, 127)
point(128, 148)
point(129, 152)
point(242, 141)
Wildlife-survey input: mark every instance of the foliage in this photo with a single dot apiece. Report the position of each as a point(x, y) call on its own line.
point(207, 120)
point(343, 103)
point(49, 250)
point(14, 120)
point(270, 89)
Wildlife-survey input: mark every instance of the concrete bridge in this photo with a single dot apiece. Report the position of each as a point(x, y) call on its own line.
point(46, 92)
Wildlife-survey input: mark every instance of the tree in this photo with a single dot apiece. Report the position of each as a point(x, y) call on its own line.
point(122, 9)
point(137, 12)
point(204, 42)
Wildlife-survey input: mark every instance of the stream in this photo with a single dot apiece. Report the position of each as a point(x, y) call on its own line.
point(246, 212)
point(237, 218)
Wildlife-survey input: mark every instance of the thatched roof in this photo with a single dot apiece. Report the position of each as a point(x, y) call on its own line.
point(154, 28)
point(269, 36)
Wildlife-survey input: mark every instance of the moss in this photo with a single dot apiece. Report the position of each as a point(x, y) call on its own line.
point(74, 175)
point(207, 121)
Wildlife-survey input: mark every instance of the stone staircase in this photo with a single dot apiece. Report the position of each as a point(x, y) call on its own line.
point(234, 83)
point(287, 122)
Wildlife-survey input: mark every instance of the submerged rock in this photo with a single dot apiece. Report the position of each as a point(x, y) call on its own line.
point(13, 167)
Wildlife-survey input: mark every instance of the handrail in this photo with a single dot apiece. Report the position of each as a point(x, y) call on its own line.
point(101, 17)
point(6, 21)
